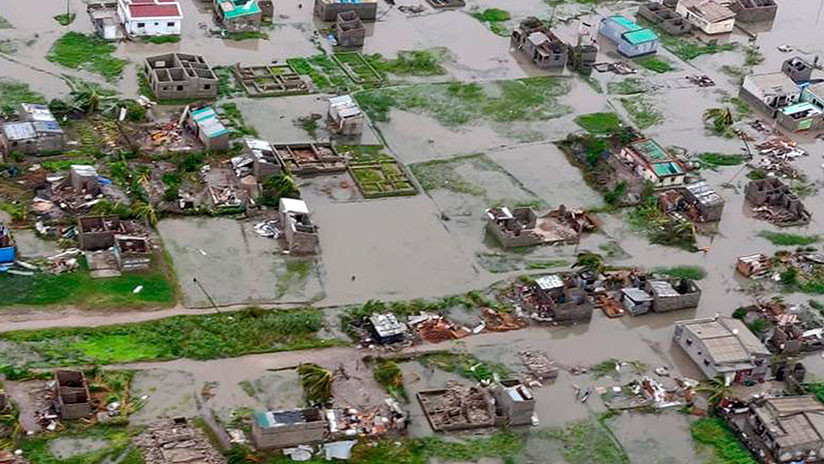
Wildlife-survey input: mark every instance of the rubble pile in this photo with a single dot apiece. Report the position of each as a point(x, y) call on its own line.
point(539, 367)
point(458, 407)
point(372, 423)
point(434, 328)
point(776, 155)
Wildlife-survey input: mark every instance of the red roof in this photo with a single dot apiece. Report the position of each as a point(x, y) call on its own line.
point(154, 10)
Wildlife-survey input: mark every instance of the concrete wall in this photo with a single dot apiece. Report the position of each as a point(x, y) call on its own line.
point(753, 13)
point(152, 27)
point(663, 304)
point(288, 435)
point(629, 50)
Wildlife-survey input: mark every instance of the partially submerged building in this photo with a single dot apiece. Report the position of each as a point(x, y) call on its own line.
point(651, 162)
point(801, 116)
point(709, 16)
point(789, 429)
point(35, 132)
point(458, 407)
point(257, 160)
point(345, 116)
point(150, 17)
point(769, 92)
point(754, 11)
point(797, 69)
point(328, 10)
point(539, 44)
point(300, 234)
point(238, 15)
point(673, 295)
point(814, 95)
point(631, 39)
point(284, 429)
point(72, 398)
point(386, 328)
point(515, 402)
point(636, 300)
point(698, 202)
point(98, 232)
point(658, 13)
point(772, 200)
point(180, 76)
point(560, 299)
point(271, 80)
point(723, 346)
point(105, 21)
point(521, 226)
point(308, 159)
point(753, 266)
point(349, 29)
point(205, 124)
point(177, 441)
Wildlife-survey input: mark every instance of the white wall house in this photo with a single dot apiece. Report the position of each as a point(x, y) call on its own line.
point(150, 17)
point(709, 16)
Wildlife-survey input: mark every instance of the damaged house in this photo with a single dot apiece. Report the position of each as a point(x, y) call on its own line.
point(349, 29)
point(256, 164)
point(300, 234)
point(386, 328)
point(109, 248)
point(35, 131)
point(105, 21)
point(753, 266)
point(709, 16)
point(723, 346)
point(271, 80)
point(673, 295)
point(788, 429)
point(539, 44)
point(556, 298)
point(284, 429)
point(522, 226)
point(458, 407)
point(176, 441)
point(308, 159)
point(73, 400)
point(651, 162)
point(697, 201)
point(754, 11)
point(515, 402)
point(181, 76)
point(773, 201)
point(328, 10)
point(345, 116)
point(666, 18)
point(238, 15)
point(797, 69)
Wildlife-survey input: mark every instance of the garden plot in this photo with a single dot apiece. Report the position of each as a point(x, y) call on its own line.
point(235, 265)
point(358, 68)
point(376, 173)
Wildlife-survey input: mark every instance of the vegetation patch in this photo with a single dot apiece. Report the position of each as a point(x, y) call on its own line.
point(443, 174)
point(79, 51)
point(13, 93)
point(495, 18)
point(628, 86)
point(599, 123)
point(457, 104)
point(642, 112)
point(655, 63)
point(687, 48)
point(411, 62)
point(682, 272)
point(245, 35)
point(326, 75)
point(214, 336)
point(720, 159)
point(390, 376)
point(296, 273)
point(587, 442)
point(5, 24)
point(713, 433)
point(161, 39)
point(377, 174)
point(787, 239)
point(466, 365)
point(659, 228)
point(80, 289)
point(65, 19)
point(116, 446)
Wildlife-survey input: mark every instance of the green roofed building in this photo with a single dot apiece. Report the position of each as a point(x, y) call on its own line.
point(238, 15)
point(630, 39)
point(653, 163)
point(207, 127)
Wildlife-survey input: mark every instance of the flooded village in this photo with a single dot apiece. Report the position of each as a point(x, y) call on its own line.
point(412, 231)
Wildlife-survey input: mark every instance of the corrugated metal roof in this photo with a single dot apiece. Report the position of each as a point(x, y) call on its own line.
point(19, 131)
point(238, 8)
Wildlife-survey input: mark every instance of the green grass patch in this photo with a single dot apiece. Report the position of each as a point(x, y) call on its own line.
point(13, 93)
point(117, 443)
point(79, 289)
point(65, 19)
point(246, 35)
point(494, 18)
point(214, 336)
point(687, 48)
point(588, 441)
point(443, 174)
point(79, 51)
point(787, 239)
point(642, 111)
point(295, 274)
point(682, 272)
point(457, 104)
point(5, 24)
point(599, 123)
point(410, 63)
point(64, 165)
point(628, 86)
point(390, 376)
point(713, 433)
point(326, 75)
point(464, 364)
point(161, 39)
point(720, 159)
point(659, 228)
point(753, 55)
point(655, 63)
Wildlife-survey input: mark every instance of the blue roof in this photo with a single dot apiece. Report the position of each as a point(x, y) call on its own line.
point(640, 36)
point(207, 120)
point(626, 23)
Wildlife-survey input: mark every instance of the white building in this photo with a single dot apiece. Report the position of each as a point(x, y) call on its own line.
point(709, 16)
point(150, 17)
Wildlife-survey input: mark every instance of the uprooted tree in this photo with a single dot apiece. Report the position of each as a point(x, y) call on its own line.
point(317, 384)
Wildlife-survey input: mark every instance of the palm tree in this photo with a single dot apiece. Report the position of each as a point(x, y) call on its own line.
point(146, 212)
point(717, 389)
point(592, 262)
point(317, 383)
point(721, 118)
